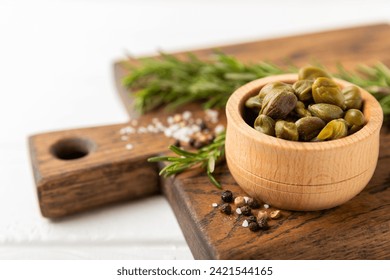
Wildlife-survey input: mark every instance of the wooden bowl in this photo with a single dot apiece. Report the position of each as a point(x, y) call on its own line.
point(300, 176)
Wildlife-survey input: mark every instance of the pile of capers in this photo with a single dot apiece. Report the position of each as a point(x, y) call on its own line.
point(313, 109)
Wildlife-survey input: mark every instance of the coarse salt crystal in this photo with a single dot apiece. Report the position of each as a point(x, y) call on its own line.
point(170, 120)
point(219, 128)
point(245, 223)
point(186, 115)
point(246, 199)
point(238, 211)
point(142, 130)
point(214, 205)
point(124, 138)
point(150, 128)
point(168, 132)
point(129, 146)
point(266, 206)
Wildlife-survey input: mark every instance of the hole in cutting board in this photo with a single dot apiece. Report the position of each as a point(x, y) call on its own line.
point(72, 148)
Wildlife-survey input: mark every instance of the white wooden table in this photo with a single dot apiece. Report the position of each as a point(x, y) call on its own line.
point(55, 73)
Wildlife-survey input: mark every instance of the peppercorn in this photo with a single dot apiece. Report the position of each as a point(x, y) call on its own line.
point(253, 226)
point(192, 142)
point(246, 210)
point(239, 201)
point(203, 125)
point(263, 224)
point(177, 143)
point(227, 196)
point(253, 203)
point(251, 219)
point(226, 209)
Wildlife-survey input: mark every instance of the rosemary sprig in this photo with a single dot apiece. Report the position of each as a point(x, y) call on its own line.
point(174, 82)
point(171, 82)
point(205, 157)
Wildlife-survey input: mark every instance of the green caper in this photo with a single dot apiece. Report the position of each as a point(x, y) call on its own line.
point(302, 89)
point(286, 130)
point(254, 103)
point(326, 112)
point(354, 117)
point(274, 86)
point(309, 127)
point(265, 124)
point(335, 129)
point(325, 90)
point(278, 104)
point(353, 98)
point(301, 110)
point(354, 128)
point(311, 73)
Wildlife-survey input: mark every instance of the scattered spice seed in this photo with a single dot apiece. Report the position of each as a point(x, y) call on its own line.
point(251, 219)
point(245, 223)
point(246, 210)
point(253, 226)
point(263, 224)
point(214, 205)
point(266, 206)
point(238, 211)
point(226, 209)
point(262, 215)
point(275, 214)
point(239, 201)
point(227, 196)
point(253, 203)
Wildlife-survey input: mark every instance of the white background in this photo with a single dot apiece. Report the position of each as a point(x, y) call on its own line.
point(55, 73)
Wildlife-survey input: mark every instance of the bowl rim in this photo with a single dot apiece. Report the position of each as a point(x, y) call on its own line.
point(372, 111)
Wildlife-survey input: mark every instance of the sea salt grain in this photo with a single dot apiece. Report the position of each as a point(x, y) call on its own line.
point(219, 129)
point(245, 223)
point(266, 206)
point(129, 147)
point(186, 115)
point(246, 199)
point(238, 211)
point(214, 205)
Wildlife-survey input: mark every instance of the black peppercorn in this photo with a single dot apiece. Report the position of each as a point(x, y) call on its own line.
point(253, 203)
point(227, 196)
point(263, 224)
point(246, 210)
point(251, 219)
point(203, 125)
point(192, 142)
point(253, 226)
point(226, 209)
point(177, 143)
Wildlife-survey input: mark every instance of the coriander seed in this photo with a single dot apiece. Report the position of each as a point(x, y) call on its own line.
point(227, 196)
point(239, 201)
point(262, 215)
point(275, 214)
point(226, 209)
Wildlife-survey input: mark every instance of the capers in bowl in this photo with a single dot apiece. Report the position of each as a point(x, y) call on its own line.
point(314, 108)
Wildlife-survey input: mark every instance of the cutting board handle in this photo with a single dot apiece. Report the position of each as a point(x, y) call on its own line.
point(79, 169)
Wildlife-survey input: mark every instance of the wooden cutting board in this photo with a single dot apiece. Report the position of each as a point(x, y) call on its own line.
point(359, 229)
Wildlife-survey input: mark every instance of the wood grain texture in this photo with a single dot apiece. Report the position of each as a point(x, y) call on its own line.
point(358, 229)
point(300, 176)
